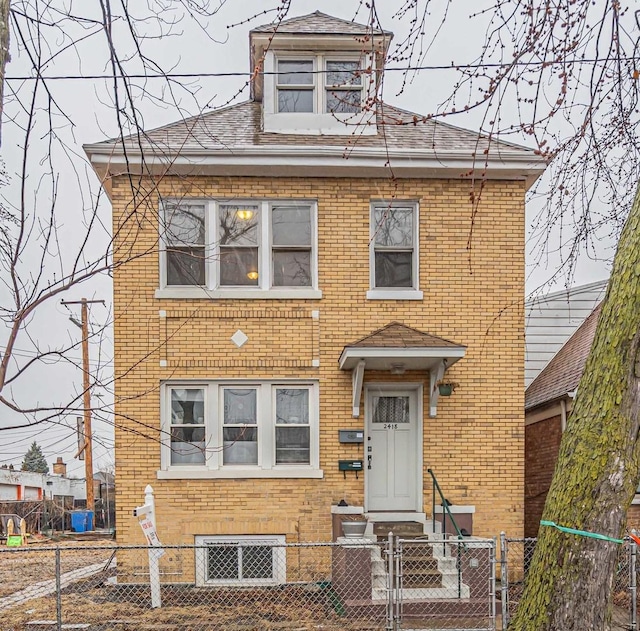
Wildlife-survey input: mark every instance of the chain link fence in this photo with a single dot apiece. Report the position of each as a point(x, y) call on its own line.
point(516, 556)
point(252, 584)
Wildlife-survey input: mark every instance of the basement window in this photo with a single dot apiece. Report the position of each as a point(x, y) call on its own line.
point(241, 560)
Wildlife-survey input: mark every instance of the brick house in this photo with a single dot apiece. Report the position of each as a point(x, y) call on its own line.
point(548, 403)
point(301, 266)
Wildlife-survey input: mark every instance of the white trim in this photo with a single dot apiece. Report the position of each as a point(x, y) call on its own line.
point(213, 422)
point(264, 289)
point(417, 389)
point(395, 294)
point(202, 293)
point(456, 509)
point(237, 473)
point(278, 552)
point(385, 293)
point(356, 353)
point(319, 122)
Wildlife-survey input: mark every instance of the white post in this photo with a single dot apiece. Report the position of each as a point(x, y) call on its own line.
point(154, 557)
point(155, 551)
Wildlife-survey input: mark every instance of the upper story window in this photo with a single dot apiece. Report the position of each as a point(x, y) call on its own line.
point(296, 85)
point(340, 85)
point(320, 93)
point(239, 249)
point(343, 86)
point(394, 259)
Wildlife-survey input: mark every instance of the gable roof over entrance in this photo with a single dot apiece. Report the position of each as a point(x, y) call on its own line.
point(398, 348)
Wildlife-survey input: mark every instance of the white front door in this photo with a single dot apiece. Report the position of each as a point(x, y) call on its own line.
point(392, 450)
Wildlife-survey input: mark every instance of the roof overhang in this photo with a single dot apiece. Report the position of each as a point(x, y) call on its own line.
point(320, 161)
point(435, 360)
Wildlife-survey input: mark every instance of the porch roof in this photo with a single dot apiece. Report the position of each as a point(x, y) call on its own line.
point(398, 348)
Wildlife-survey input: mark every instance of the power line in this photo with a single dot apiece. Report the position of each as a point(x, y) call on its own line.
point(200, 75)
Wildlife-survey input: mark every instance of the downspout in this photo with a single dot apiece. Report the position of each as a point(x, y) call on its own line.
point(563, 415)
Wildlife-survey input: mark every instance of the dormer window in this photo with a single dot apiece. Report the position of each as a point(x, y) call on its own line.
point(343, 86)
point(295, 85)
point(317, 93)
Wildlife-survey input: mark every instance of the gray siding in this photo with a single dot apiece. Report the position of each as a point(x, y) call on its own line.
point(552, 319)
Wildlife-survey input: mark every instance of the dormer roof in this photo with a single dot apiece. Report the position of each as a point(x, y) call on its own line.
point(318, 23)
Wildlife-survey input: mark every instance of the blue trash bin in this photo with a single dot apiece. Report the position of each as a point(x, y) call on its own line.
point(81, 520)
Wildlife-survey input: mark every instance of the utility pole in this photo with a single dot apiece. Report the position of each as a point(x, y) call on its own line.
point(87, 447)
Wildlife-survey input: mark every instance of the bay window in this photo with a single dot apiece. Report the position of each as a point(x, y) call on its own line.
point(240, 429)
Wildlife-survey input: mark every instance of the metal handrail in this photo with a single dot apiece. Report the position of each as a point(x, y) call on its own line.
point(445, 505)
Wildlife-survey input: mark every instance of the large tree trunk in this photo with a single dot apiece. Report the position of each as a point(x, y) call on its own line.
point(569, 582)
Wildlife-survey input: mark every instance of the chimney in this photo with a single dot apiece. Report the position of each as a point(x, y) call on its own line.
point(59, 467)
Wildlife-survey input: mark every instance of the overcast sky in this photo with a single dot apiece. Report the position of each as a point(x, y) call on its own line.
point(218, 47)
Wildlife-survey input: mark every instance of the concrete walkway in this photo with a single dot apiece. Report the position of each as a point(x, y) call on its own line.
point(46, 588)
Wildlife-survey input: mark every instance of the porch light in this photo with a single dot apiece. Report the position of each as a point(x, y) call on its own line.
point(398, 369)
point(244, 214)
point(252, 275)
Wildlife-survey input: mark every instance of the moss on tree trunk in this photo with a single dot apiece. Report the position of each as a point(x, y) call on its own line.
point(569, 581)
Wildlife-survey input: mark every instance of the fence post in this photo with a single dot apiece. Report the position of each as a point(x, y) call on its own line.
point(492, 582)
point(633, 590)
point(397, 620)
point(504, 580)
point(58, 592)
point(390, 583)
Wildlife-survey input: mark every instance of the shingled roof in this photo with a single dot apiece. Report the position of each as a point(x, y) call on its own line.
point(318, 23)
point(398, 335)
point(240, 127)
point(562, 374)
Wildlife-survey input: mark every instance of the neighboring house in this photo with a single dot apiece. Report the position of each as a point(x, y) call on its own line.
point(17, 485)
point(300, 290)
point(551, 319)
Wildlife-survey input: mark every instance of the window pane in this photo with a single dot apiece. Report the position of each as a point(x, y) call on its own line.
point(293, 445)
point(240, 407)
point(187, 406)
point(292, 406)
point(391, 410)
point(291, 268)
point(240, 445)
point(185, 266)
point(239, 266)
point(295, 100)
point(292, 72)
point(222, 563)
point(343, 101)
point(343, 73)
point(257, 562)
point(394, 269)
point(291, 225)
point(238, 224)
point(394, 226)
point(188, 445)
point(184, 224)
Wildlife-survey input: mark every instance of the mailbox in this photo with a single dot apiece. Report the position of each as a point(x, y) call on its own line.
point(351, 435)
point(350, 465)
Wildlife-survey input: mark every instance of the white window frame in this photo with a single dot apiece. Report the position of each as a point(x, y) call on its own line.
point(395, 293)
point(278, 551)
point(264, 289)
point(214, 466)
point(352, 88)
point(319, 121)
point(302, 86)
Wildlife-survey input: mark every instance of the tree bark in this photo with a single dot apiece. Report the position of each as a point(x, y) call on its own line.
point(4, 51)
point(568, 587)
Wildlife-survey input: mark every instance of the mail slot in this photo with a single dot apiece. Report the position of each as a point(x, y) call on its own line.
point(351, 435)
point(350, 465)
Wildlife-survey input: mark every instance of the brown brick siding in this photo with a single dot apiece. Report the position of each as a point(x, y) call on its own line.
point(542, 442)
